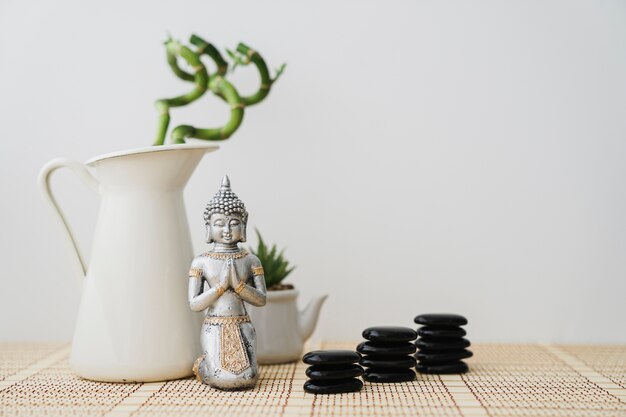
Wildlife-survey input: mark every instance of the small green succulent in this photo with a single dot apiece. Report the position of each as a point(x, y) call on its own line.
point(275, 265)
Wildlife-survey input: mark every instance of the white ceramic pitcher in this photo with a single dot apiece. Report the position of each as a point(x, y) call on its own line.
point(134, 323)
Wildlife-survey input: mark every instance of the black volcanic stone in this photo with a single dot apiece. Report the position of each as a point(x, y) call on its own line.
point(388, 375)
point(402, 362)
point(333, 387)
point(386, 349)
point(459, 367)
point(442, 357)
point(331, 357)
point(438, 332)
point(389, 334)
point(432, 347)
point(333, 372)
point(440, 320)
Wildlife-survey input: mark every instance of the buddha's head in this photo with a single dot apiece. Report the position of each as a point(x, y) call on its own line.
point(226, 217)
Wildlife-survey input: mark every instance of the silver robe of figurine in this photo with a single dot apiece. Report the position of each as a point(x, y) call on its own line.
point(220, 281)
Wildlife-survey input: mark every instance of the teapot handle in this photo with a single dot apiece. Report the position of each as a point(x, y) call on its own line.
point(44, 185)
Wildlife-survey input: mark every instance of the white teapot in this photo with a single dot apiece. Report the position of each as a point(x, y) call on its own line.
point(282, 329)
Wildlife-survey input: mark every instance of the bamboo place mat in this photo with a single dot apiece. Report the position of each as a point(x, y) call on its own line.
point(504, 380)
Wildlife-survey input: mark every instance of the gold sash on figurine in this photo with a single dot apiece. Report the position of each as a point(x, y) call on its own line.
point(233, 355)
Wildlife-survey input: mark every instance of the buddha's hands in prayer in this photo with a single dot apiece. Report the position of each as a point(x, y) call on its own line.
point(225, 275)
point(234, 277)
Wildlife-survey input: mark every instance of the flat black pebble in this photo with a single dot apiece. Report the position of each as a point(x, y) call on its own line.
point(440, 320)
point(386, 349)
point(402, 362)
point(389, 334)
point(388, 375)
point(431, 347)
point(442, 357)
point(331, 357)
point(438, 332)
point(333, 387)
point(333, 372)
point(459, 367)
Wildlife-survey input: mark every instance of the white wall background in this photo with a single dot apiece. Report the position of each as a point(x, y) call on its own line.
point(417, 156)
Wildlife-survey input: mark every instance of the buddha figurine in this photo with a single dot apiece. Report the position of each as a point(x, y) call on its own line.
point(220, 281)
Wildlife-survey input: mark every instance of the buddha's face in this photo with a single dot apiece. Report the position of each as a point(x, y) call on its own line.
point(226, 229)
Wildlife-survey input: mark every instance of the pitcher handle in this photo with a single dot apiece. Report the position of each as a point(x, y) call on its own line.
point(44, 185)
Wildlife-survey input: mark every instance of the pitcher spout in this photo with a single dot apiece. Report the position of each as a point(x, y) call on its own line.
point(309, 316)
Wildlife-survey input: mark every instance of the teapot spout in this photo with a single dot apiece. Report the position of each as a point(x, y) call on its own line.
point(309, 316)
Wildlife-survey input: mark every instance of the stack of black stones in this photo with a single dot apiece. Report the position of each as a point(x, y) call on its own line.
point(441, 344)
point(332, 371)
point(388, 354)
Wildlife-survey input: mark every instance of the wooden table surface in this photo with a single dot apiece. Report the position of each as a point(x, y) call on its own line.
point(504, 380)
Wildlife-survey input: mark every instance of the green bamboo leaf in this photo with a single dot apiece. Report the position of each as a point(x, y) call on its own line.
point(279, 72)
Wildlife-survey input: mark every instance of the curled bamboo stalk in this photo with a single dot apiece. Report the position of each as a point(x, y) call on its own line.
point(208, 49)
point(200, 79)
point(216, 83)
point(247, 55)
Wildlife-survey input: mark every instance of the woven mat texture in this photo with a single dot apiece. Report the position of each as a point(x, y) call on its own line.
point(504, 380)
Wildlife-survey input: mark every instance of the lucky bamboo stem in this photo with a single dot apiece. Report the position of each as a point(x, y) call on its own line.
point(250, 55)
point(218, 85)
point(206, 48)
point(200, 79)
